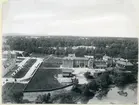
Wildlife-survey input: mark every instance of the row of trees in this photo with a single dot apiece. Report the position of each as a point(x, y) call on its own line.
point(122, 47)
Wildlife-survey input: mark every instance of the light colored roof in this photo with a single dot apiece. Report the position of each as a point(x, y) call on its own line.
point(101, 65)
point(87, 56)
point(16, 51)
point(105, 56)
point(7, 52)
point(99, 70)
point(75, 58)
point(67, 70)
point(124, 63)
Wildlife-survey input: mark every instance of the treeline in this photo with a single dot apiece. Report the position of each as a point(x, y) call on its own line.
point(114, 47)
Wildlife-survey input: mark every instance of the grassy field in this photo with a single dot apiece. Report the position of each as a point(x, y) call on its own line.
point(44, 79)
point(8, 91)
point(25, 69)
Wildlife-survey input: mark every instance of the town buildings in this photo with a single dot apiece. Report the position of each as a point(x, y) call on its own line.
point(8, 60)
point(72, 61)
point(124, 65)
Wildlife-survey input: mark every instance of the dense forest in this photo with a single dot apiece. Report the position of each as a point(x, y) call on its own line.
point(114, 47)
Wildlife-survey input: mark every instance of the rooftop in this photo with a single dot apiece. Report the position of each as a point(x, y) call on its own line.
point(75, 58)
point(125, 63)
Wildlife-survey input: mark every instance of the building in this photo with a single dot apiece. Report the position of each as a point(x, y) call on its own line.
point(8, 60)
point(124, 64)
point(100, 64)
point(19, 53)
point(87, 56)
point(106, 58)
point(72, 61)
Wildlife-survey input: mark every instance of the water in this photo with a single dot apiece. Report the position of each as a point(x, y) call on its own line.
point(114, 97)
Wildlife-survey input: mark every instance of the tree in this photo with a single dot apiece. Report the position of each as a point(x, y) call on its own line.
point(88, 75)
point(18, 97)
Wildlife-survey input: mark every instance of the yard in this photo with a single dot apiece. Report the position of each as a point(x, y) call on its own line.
point(25, 69)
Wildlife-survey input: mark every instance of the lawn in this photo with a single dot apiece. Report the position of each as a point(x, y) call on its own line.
point(25, 69)
point(8, 91)
point(44, 79)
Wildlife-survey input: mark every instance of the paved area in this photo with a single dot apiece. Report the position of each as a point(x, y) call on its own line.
point(28, 74)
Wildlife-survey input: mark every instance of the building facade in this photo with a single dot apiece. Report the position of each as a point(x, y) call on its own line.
point(72, 61)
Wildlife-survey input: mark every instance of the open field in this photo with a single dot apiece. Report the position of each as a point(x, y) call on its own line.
point(44, 79)
point(25, 69)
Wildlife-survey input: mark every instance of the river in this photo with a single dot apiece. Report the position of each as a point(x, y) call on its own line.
point(114, 98)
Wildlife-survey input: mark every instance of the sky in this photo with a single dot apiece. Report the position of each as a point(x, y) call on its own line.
point(116, 18)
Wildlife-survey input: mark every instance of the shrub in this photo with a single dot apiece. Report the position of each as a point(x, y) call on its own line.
point(88, 75)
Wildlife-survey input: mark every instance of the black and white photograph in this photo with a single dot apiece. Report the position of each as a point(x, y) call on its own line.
point(69, 52)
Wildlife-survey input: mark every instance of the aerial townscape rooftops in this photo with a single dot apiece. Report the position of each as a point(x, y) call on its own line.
point(74, 73)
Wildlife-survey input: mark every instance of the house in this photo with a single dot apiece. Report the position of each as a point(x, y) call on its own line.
point(100, 64)
point(106, 58)
point(124, 64)
point(19, 53)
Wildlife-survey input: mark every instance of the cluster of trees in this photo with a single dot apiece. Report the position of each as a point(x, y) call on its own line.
point(101, 83)
point(121, 47)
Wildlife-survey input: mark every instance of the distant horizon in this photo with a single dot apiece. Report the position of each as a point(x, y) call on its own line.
point(46, 35)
